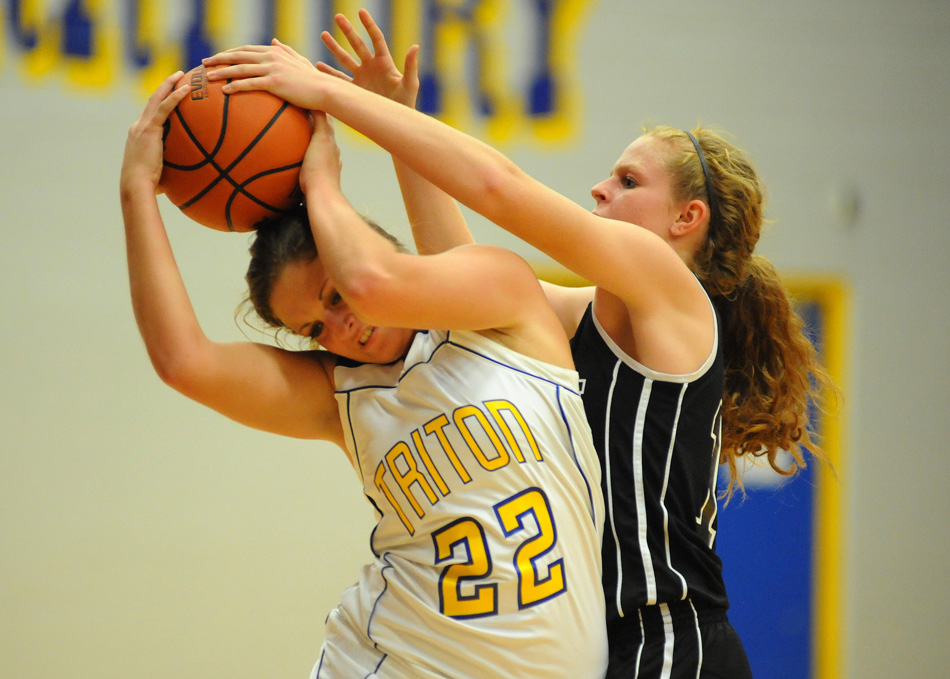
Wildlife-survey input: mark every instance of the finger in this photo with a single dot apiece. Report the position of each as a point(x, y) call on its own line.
point(342, 56)
point(170, 102)
point(237, 55)
point(375, 34)
point(353, 37)
point(320, 122)
point(159, 95)
point(410, 70)
point(240, 70)
point(329, 70)
point(290, 51)
point(245, 84)
point(167, 86)
point(172, 79)
point(241, 77)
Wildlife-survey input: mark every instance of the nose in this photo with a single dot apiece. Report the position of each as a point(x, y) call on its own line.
point(341, 322)
point(599, 192)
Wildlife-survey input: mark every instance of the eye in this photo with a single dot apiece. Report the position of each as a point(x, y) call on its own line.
point(316, 330)
point(628, 182)
point(335, 298)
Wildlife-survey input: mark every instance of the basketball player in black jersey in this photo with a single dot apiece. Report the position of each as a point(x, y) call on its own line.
point(679, 342)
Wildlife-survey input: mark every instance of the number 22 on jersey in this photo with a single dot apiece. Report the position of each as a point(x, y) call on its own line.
point(468, 535)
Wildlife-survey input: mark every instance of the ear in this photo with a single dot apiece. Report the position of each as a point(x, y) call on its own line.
point(691, 217)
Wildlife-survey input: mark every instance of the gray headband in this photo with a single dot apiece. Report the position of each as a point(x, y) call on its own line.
point(709, 186)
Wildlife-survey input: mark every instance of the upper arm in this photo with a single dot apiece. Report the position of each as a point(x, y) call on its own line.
point(264, 387)
point(649, 301)
point(472, 287)
point(626, 260)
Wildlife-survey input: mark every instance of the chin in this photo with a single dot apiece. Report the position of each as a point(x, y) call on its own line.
point(389, 345)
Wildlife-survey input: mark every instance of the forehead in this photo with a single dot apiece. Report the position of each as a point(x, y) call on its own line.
point(644, 153)
point(295, 297)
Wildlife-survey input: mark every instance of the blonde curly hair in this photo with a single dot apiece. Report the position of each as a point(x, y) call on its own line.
point(772, 369)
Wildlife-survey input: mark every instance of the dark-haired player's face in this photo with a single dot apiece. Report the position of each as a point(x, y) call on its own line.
point(306, 301)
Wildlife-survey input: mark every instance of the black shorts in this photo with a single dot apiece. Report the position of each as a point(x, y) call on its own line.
point(675, 641)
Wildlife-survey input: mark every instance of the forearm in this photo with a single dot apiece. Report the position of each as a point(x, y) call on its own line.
point(163, 312)
point(361, 263)
point(462, 166)
point(436, 220)
point(621, 259)
point(467, 169)
point(477, 175)
point(434, 216)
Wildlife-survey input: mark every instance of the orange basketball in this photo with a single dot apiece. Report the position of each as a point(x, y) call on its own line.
point(232, 159)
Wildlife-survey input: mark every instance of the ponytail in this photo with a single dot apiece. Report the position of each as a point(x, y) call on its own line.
point(772, 369)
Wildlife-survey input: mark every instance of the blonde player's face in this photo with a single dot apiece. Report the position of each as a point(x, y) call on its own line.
point(638, 189)
point(307, 302)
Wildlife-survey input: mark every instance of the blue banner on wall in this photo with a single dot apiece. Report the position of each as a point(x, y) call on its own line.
point(781, 544)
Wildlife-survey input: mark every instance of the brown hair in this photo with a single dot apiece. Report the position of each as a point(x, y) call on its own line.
point(771, 367)
point(278, 242)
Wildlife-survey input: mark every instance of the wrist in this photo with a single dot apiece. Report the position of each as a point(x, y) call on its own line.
point(136, 187)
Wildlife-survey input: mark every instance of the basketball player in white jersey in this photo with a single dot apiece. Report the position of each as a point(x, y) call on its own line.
point(470, 438)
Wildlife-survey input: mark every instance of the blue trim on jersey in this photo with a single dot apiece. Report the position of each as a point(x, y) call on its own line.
point(558, 385)
point(381, 661)
point(372, 535)
point(323, 654)
point(369, 622)
point(349, 421)
point(448, 341)
point(580, 470)
point(359, 464)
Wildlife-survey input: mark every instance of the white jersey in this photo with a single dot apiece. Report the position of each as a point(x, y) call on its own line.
point(481, 467)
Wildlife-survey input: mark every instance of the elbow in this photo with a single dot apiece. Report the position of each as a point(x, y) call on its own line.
point(172, 370)
point(177, 366)
point(367, 293)
point(499, 187)
point(375, 291)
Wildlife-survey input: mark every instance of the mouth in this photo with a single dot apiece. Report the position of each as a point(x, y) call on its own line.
point(367, 333)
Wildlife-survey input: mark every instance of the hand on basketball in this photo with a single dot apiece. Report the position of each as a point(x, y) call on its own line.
point(142, 162)
point(373, 70)
point(276, 68)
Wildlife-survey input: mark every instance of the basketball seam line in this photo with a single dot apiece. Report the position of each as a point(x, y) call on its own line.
point(224, 173)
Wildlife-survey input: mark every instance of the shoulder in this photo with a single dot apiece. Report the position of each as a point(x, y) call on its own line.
point(569, 303)
point(672, 337)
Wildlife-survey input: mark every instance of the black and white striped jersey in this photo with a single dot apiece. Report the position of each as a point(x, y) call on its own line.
point(657, 436)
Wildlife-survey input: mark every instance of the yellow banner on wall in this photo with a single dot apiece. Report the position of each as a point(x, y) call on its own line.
point(500, 69)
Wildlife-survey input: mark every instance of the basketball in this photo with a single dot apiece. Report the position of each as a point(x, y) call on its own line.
point(231, 160)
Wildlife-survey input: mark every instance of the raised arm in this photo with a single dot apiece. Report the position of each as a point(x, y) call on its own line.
point(435, 218)
point(631, 263)
point(257, 385)
point(474, 287)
